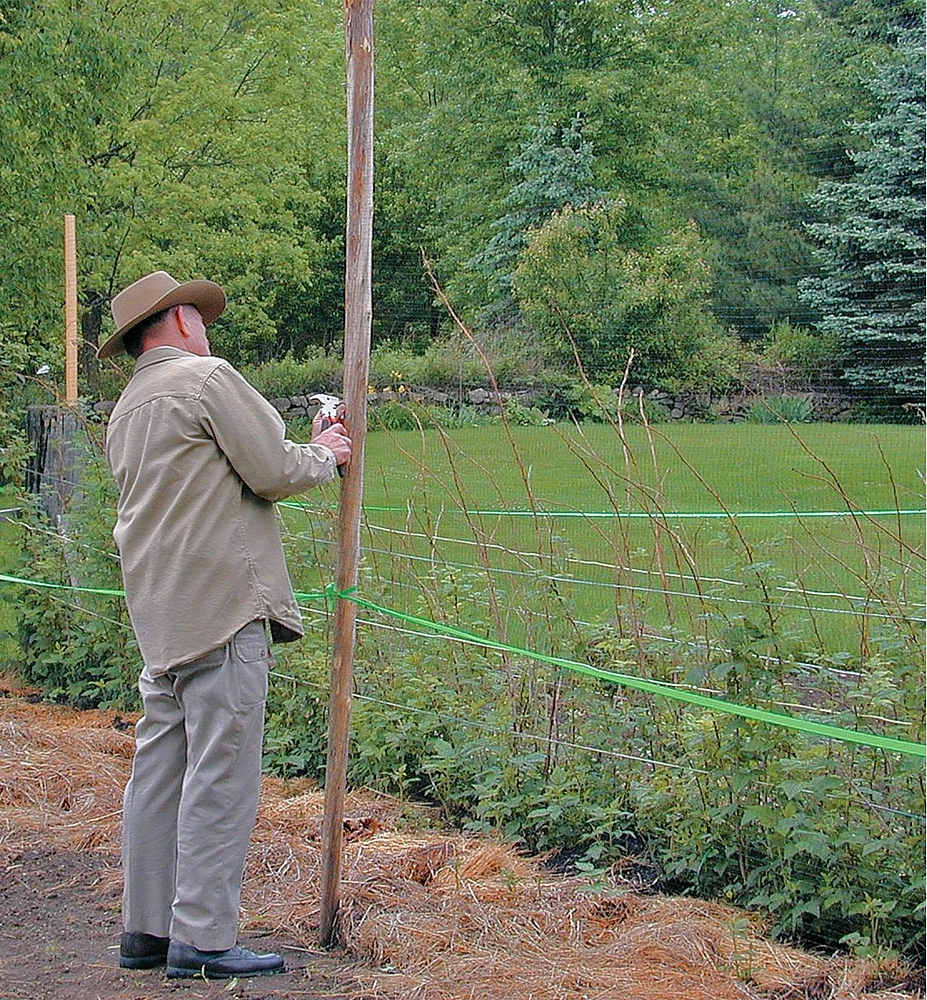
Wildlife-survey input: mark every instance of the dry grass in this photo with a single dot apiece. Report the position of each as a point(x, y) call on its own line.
point(441, 917)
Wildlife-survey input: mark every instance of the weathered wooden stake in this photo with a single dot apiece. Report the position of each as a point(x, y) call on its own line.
point(54, 469)
point(357, 318)
point(70, 311)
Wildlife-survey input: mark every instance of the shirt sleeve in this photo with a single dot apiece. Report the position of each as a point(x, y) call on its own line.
point(252, 435)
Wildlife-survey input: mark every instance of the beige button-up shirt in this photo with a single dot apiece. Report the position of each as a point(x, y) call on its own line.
point(199, 457)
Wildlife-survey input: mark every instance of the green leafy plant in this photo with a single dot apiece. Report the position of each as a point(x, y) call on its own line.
point(287, 376)
point(79, 647)
point(803, 355)
point(780, 409)
point(525, 416)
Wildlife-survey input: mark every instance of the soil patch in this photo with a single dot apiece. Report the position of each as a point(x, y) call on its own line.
point(59, 926)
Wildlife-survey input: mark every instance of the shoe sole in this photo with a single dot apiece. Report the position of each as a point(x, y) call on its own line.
point(147, 962)
point(179, 972)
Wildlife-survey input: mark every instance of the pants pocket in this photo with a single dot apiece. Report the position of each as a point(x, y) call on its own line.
point(251, 660)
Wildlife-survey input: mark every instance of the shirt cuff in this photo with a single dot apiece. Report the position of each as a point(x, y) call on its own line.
point(330, 456)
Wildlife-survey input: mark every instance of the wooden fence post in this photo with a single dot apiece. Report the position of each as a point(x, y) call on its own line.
point(357, 320)
point(70, 311)
point(54, 432)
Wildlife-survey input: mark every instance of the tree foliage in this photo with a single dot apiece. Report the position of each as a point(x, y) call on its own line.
point(588, 282)
point(179, 138)
point(871, 243)
point(208, 139)
point(554, 169)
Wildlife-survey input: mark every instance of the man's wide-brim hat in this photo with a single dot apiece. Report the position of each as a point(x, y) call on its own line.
point(153, 294)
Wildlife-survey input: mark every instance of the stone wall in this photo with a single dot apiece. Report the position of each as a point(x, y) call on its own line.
point(827, 404)
point(482, 399)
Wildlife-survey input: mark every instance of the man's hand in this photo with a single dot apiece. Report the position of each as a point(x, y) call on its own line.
point(336, 439)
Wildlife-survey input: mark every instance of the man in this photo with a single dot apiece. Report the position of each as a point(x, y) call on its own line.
point(199, 457)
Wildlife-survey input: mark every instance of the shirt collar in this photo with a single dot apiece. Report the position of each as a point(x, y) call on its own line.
point(158, 354)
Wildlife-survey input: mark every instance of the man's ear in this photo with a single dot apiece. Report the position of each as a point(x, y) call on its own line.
point(181, 321)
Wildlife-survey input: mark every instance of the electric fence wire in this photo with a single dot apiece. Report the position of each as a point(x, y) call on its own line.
point(635, 588)
point(392, 554)
point(613, 567)
point(528, 556)
point(819, 710)
point(554, 741)
point(570, 580)
point(704, 647)
point(701, 647)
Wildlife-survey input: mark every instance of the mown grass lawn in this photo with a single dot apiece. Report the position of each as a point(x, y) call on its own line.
point(610, 518)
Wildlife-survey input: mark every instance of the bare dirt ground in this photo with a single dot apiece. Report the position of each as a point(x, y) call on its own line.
point(59, 932)
point(427, 916)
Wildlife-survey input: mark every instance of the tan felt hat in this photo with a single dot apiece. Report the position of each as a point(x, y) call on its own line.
point(152, 294)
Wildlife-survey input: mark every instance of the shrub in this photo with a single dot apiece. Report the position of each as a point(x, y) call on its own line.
point(721, 363)
point(287, 376)
point(802, 355)
point(453, 362)
point(599, 404)
point(525, 416)
point(392, 366)
point(456, 416)
point(587, 282)
point(780, 409)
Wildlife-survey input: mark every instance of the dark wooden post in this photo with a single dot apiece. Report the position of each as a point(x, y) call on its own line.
point(53, 473)
point(357, 319)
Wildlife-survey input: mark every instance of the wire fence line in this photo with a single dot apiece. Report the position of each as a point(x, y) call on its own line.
point(683, 693)
point(615, 568)
point(542, 738)
point(701, 596)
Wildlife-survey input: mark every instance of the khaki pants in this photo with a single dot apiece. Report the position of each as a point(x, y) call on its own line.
point(191, 801)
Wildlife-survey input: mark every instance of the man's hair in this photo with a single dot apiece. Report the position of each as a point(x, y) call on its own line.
point(134, 340)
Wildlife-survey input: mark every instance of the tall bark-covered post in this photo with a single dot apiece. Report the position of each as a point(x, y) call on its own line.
point(70, 310)
point(57, 441)
point(357, 319)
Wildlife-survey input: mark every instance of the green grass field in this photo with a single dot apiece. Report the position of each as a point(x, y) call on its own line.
point(610, 519)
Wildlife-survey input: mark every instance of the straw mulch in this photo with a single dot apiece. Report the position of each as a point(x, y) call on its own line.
point(435, 917)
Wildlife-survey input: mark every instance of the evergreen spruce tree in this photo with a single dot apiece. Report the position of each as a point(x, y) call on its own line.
point(870, 291)
point(554, 169)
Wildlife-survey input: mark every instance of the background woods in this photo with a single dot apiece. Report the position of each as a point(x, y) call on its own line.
point(689, 158)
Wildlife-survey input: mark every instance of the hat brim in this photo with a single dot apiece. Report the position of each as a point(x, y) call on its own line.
point(207, 296)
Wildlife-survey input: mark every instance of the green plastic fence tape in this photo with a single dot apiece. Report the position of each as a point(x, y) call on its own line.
point(329, 594)
point(61, 586)
point(653, 687)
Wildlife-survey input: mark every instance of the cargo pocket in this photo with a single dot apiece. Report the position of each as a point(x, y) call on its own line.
point(251, 655)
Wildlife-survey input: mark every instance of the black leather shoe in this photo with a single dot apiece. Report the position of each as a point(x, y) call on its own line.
point(142, 951)
point(184, 962)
